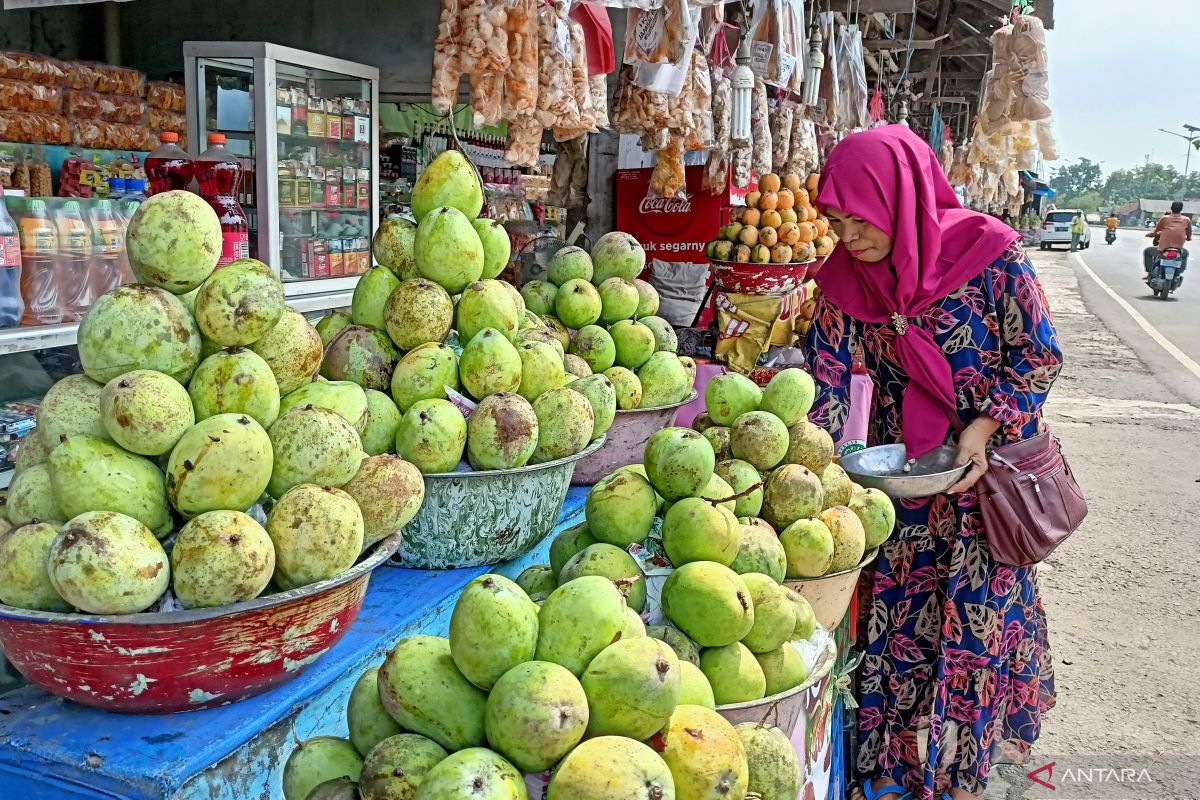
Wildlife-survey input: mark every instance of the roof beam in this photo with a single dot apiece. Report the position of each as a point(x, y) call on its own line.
point(943, 18)
point(901, 44)
point(885, 6)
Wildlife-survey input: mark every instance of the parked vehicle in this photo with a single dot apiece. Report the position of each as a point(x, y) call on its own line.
point(1056, 229)
point(1093, 219)
point(1167, 273)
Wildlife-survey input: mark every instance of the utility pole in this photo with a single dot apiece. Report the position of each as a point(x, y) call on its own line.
point(1191, 138)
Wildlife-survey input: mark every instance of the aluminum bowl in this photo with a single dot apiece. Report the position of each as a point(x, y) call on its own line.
point(626, 439)
point(882, 468)
point(162, 662)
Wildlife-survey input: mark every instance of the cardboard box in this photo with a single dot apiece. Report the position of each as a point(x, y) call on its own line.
point(304, 196)
point(337, 263)
point(287, 191)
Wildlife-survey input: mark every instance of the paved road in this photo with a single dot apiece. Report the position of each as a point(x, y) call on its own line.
point(1176, 321)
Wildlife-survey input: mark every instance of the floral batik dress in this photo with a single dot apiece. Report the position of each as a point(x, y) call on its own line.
point(956, 656)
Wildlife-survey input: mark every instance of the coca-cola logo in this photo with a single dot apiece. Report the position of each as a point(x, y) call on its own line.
point(666, 205)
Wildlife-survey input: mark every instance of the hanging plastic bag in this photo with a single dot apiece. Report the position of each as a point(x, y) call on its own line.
point(1031, 81)
point(524, 140)
point(447, 61)
point(668, 178)
point(742, 158)
point(826, 110)
point(852, 79)
point(664, 35)
point(701, 135)
point(716, 172)
point(582, 89)
point(760, 129)
point(781, 138)
point(777, 41)
point(1046, 141)
point(521, 80)
point(598, 85)
point(556, 103)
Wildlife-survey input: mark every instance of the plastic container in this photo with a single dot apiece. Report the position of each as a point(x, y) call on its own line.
point(11, 304)
point(168, 167)
point(125, 211)
point(74, 260)
point(116, 188)
point(39, 266)
point(135, 189)
point(109, 262)
point(218, 172)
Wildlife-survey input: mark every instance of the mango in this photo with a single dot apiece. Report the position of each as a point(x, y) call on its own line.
point(791, 493)
point(730, 395)
point(632, 688)
point(627, 387)
point(138, 327)
point(695, 530)
point(432, 435)
point(395, 767)
point(774, 614)
point(783, 668)
point(708, 602)
point(537, 581)
point(312, 445)
point(361, 355)
point(633, 343)
point(759, 438)
point(613, 563)
point(617, 254)
point(423, 374)
point(71, 406)
point(718, 437)
point(684, 648)
point(679, 462)
point(806, 620)
point(103, 562)
point(789, 395)
point(760, 551)
point(330, 325)
point(835, 486)
point(239, 303)
point(569, 263)
point(775, 772)
point(31, 498)
point(664, 380)
point(383, 417)
point(541, 370)
point(709, 766)
point(566, 544)
point(317, 760)
point(497, 246)
point(344, 398)
point(564, 423)
point(593, 344)
point(849, 537)
point(477, 773)
point(389, 492)
point(620, 509)
point(733, 674)
point(634, 627)
point(665, 338)
point(489, 365)
point(536, 713)
point(220, 558)
point(366, 718)
point(223, 462)
point(493, 628)
point(619, 300)
point(648, 300)
point(371, 295)
point(741, 476)
point(877, 514)
point(577, 303)
point(425, 693)
point(809, 547)
point(317, 532)
point(449, 180)
point(602, 396)
point(809, 446)
point(394, 246)
point(174, 242)
point(578, 620)
point(418, 311)
point(539, 296)
point(608, 767)
point(694, 688)
point(502, 432)
point(91, 474)
point(24, 568)
point(486, 304)
point(448, 250)
point(234, 381)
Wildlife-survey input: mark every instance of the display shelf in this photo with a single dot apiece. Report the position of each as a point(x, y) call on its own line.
point(38, 337)
point(54, 747)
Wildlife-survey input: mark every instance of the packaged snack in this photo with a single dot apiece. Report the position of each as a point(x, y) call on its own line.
point(716, 172)
point(34, 98)
point(598, 84)
point(760, 129)
point(777, 41)
point(483, 48)
point(109, 79)
point(447, 62)
point(668, 178)
point(23, 128)
point(781, 138)
point(163, 120)
point(109, 135)
point(664, 35)
point(31, 67)
point(166, 96)
point(524, 140)
point(582, 89)
point(700, 135)
point(521, 80)
point(556, 103)
point(106, 107)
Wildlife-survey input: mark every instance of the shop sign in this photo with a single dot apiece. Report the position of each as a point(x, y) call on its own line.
point(669, 228)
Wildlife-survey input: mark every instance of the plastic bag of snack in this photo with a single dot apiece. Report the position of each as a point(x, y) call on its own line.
point(109, 79)
point(31, 67)
point(109, 135)
point(166, 96)
point(521, 79)
point(34, 98)
point(1046, 141)
point(556, 103)
point(636, 110)
point(487, 98)
point(524, 140)
point(447, 62)
point(663, 35)
point(701, 134)
point(777, 41)
point(483, 47)
point(163, 120)
point(679, 106)
point(760, 128)
point(716, 171)
point(781, 138)
point(105, 107)
point(598, 86)
point(23, 128)
point(568, 182)
point(582, 89)
point(742, 158)
point(668, 178)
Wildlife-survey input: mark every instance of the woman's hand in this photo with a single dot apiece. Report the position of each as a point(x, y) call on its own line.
point(972, 449)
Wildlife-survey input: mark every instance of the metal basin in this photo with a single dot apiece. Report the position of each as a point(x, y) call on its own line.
point(471, 519)
point(626, 440)
point(161, 662)
point(882, 468)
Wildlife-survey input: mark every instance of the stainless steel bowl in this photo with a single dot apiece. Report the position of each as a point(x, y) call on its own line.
point(883, 468)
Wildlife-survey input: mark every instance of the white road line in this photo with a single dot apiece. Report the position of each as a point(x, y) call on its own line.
point(1166, 344)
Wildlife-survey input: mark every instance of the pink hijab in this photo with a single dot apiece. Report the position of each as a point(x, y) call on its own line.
point(890, 177)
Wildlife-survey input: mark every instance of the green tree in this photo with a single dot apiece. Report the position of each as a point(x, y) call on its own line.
point(1085, 201)
point(1084, 175)
point(1151, 181)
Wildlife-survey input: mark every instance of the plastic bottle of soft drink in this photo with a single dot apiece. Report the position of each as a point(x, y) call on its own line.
point(218, 172)
point(11, 304)
point(74, 260)
point(116, 188)
point(39, 267)
point(109, 264)
point(124, 212)
point(168, 167)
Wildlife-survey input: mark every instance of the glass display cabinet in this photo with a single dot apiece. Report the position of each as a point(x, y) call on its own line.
point(305, 127)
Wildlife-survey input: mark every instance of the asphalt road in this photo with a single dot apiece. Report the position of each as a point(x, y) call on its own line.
point(1168, 334)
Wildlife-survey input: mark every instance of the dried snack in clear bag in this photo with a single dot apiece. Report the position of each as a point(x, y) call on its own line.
point(447, 61)
point(31, 67)
point(722, 110)
point(162, 120)
point(483, 46)
point(742, 158)
point(109, 79)
point(524, 140)
point(781, 138)
point(679, 107)
point(760, 129)
point(598, 85)
point(487, 98)
point(109, 135)
point(777, 41)
point(105, 107)
point(33, 98)
point(716, 172)
point(654, 140)
point(668, 178)
point(521, 80)
point(636, 110)
point(853, 90)
point(802, 151)
point(1046, 141)
point(663, 35)
point(568, 181)
point(556, 103)
point(166, 96)
point(23, 128)
point(700, 134)
point(582, 89)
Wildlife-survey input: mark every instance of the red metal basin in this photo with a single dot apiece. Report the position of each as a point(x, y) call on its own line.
point(156, 663)
point(774, 279)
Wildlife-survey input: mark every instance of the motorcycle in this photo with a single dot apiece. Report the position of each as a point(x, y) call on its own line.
point(1110, 236)
point(1167, 273)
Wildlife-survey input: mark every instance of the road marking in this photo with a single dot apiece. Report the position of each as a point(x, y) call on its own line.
point(1183, 358)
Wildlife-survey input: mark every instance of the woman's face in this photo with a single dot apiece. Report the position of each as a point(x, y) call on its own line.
point(864, 241)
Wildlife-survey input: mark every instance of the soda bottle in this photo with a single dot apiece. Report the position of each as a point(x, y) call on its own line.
point(116, 188)
point(110, 267)
point(11, 304)
point(39, 268)
point(74, 260)
point(218, 172)
point(124, 213)
point(168, 166)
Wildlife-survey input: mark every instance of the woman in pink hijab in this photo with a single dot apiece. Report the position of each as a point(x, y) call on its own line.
point(951, 321)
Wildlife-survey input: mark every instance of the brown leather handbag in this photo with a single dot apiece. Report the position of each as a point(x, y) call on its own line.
point(1030, 500)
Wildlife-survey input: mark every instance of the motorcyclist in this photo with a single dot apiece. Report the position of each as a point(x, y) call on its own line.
point(1111, 222)
point(1173, 230)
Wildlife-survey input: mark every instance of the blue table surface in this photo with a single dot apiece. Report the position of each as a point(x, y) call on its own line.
point(46, 742)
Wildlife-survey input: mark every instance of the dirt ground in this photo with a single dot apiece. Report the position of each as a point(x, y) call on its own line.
point(1121, 595)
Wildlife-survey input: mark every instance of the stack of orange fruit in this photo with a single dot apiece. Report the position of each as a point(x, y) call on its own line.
point(779, 224)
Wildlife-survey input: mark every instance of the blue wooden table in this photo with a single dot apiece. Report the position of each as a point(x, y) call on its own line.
point(51, 748)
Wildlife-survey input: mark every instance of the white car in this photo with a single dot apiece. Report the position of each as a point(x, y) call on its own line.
point(1056, 229)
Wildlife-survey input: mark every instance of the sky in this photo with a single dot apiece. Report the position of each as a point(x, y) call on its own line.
point(1119, 71)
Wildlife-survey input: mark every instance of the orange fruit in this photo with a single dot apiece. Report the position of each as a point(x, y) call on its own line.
point(786, 198)
point(802, 213)
point(814, 180)
point(768, 236)
point(752, 199)
point(788, 215)
point(808, 232)
point(750, 216)
point(771, 219)
point(823, 245)
point(802, 197)
point(781, 254)
point(792, 181)
point(748, 235)
point(769, 183)
point(822, 226)
point(789, 233)
point(769, 201)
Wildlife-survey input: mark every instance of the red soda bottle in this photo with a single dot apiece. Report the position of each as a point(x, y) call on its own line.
point(168, 166)
point(218, 172)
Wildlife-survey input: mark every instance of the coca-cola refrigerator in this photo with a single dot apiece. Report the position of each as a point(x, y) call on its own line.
point(674, 232)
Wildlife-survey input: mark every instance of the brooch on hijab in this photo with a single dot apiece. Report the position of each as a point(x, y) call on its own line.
point(900, 323)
